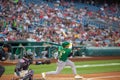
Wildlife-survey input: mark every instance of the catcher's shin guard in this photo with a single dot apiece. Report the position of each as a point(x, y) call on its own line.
point(29, 76)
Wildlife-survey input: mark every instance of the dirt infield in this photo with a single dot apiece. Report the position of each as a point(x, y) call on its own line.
point(99, 76)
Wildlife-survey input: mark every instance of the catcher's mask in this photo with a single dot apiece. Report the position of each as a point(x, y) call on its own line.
point(29, 55)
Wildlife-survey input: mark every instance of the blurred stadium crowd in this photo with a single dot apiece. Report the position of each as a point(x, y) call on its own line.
point(84, 22)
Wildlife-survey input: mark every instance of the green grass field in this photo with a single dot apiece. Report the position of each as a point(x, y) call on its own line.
point(85, 67)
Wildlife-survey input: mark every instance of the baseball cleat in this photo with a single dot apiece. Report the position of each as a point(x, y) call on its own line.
point(78, 77)
point(44, 76)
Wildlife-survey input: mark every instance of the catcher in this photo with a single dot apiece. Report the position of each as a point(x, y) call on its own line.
point(22, 70)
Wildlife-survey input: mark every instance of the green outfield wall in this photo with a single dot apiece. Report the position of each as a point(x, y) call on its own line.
point(102, 51)
point(38, 47)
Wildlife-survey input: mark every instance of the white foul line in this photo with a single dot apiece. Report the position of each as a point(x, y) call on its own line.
point(94, 78)
point(94, 65)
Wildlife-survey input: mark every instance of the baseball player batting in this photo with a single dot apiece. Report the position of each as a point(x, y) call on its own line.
point(63, 60)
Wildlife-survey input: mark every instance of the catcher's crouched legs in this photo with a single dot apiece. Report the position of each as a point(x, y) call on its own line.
point(24, 75)
point(29, 75)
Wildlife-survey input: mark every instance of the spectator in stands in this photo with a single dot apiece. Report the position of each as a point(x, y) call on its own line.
point(56, 24)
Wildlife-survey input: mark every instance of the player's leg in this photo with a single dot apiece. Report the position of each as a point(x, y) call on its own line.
point(60, 66)
point(72, 65)
point(2, 70)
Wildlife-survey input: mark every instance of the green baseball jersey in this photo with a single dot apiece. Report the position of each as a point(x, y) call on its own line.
point(63, 53)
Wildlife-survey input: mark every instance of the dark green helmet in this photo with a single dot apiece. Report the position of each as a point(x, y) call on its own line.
point(64, 44)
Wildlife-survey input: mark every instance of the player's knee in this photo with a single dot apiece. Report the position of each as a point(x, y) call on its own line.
point(72, 64)
point(57, 72)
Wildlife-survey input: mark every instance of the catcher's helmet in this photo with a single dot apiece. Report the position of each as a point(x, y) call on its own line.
point(29, 55)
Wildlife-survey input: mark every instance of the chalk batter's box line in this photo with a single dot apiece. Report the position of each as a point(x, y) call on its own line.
point(102, 77)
